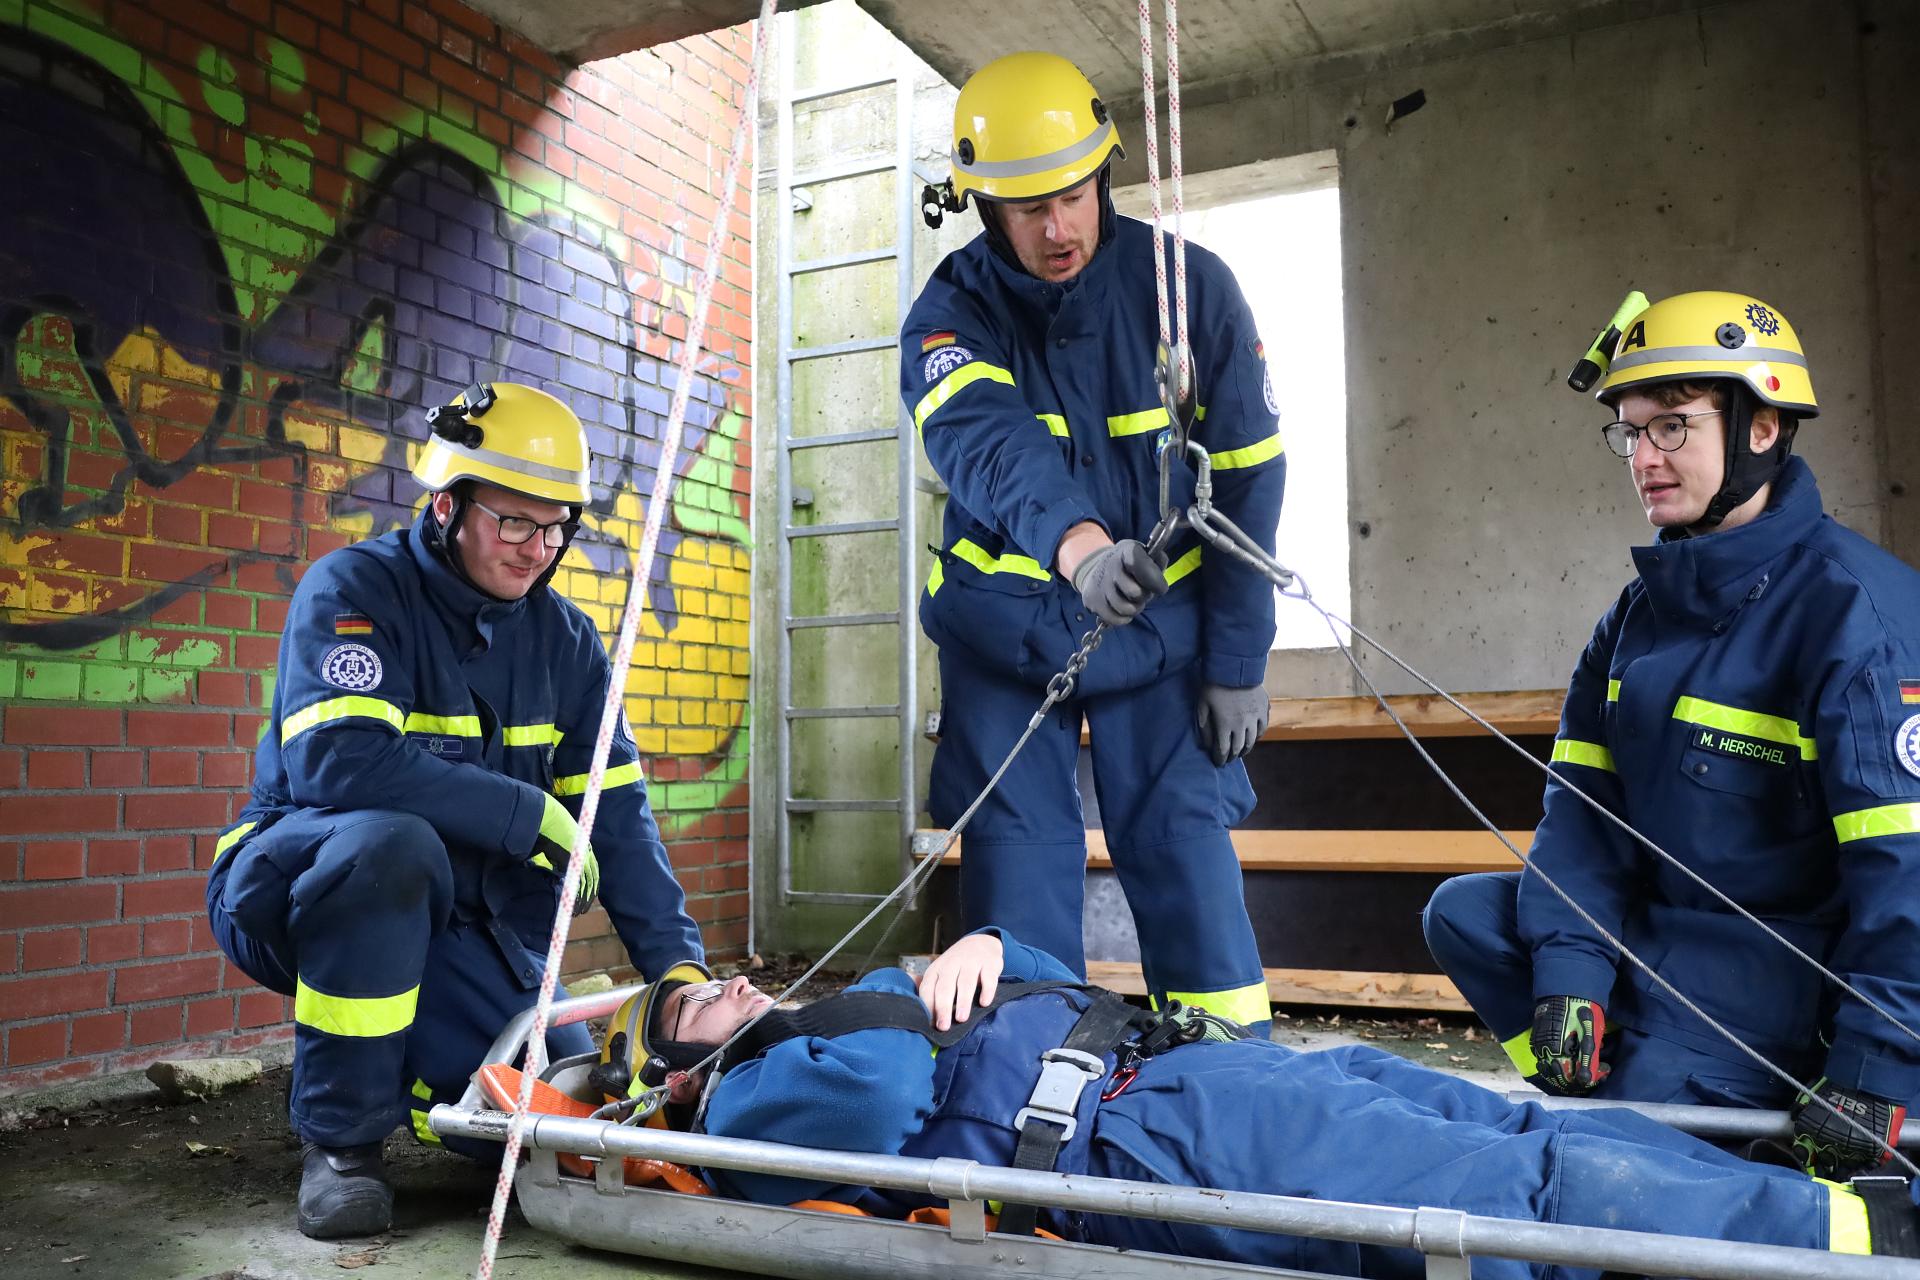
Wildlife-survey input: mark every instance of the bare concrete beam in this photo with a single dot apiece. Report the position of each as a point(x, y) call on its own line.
point(583, 30)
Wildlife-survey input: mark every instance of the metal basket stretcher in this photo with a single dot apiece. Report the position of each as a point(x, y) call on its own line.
point(604, 1212)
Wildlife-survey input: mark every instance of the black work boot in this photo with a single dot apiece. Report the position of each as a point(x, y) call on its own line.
point(343, 1192)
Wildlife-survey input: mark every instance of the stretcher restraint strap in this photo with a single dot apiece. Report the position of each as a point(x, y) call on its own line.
point(1100, 1028)
point(611, 713)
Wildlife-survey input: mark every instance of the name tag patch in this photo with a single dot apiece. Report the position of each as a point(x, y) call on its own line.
point(1733, 744)
point(434, 744)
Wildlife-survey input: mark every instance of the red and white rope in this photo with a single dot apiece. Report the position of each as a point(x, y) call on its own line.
point(1184, 379)
point(610, 714)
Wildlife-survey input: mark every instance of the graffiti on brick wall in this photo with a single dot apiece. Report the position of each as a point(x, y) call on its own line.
point(219, 322)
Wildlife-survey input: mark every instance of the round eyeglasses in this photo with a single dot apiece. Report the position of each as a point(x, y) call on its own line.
point(1668, 431)
point(515, 530)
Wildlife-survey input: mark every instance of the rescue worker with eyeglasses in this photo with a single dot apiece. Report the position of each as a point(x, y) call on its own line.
point(1189, 1100)
point(1751, 704)
point(415, 799)
point(1028, 365)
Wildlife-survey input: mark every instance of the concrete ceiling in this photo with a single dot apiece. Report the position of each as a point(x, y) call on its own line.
point(1219, 39)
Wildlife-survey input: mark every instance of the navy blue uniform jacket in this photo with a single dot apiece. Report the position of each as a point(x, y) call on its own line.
point(1752, 704)
point(402, 687)
point(1037, 406)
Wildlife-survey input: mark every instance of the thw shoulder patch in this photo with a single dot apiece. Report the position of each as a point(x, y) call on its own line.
point(944, 361)
point(1906, 745)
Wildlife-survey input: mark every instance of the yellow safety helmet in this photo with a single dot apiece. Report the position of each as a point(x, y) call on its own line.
point(513, 436)
point(633, 1041)
point(1705, 335)
point(1028, 126)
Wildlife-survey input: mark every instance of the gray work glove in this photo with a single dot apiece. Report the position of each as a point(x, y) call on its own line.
point(1117, 581)
point(1231, 720)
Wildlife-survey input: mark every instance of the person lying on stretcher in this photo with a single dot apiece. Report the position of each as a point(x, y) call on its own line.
point(1189, 1100)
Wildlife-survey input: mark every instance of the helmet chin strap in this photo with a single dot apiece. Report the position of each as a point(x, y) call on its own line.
point(1745, 472)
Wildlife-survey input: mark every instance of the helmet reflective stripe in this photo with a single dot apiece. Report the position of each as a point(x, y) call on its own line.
point(519, 466)
point(1663, 355)
point(1037, 164)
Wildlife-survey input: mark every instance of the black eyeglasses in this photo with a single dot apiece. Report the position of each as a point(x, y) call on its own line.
point(695, 993)
point(1668, 431)
point(515, 530)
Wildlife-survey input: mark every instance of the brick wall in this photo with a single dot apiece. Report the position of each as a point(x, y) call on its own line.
point(244, 245)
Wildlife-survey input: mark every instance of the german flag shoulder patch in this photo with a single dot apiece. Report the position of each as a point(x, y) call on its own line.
point(352, 624)
point(1910, 691)
point(943, 338)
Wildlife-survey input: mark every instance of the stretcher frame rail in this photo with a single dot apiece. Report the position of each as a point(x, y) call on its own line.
point(602, 1211)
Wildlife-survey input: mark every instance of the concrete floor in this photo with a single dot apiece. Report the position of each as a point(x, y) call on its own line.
point(111, 1183)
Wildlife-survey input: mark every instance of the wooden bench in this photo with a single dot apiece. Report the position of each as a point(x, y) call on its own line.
point(1425, 851)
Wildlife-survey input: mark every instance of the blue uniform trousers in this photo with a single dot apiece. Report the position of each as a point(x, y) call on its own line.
point(395, 1001)
point(1165, 807)
point(1359, 1124)
point(1473, 932)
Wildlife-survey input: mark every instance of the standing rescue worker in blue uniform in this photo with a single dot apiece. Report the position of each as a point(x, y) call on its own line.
point(1351, 1124)
point(1028, 366)
point(1751, 704)
point(415, 796)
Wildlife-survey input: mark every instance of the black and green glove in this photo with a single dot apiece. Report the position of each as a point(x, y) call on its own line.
point(1833, 1148)
point(1567, 1035)
point(554, 846)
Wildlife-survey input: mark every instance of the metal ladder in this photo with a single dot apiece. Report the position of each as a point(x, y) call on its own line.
point(903, 710)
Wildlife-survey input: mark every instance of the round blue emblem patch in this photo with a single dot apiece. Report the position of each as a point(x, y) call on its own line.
point(351, 666)
point(1906, 745)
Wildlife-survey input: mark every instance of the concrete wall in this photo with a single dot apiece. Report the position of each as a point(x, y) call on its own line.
point(1763, 146)
point(243, 246)
point(836, 44)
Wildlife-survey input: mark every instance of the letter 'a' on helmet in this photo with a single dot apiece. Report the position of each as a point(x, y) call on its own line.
point(515, 437)
point(634, 1038)
point(1028, 126)
point(1694, 337)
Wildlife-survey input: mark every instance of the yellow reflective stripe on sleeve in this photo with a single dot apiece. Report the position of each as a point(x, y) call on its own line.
point(937, 577)
point(1185, 565)
point(457, 726)
point(1056, 423)
point(1613, 691)
point(1748, 724)
point(1590, 754)
point(953, 384)
point(1251, 456)
point(363, 1017)
point(1242, 1004)
point(422, 1130)
point(1133, 424)
point(976, 555)
point(1519, 1050)
point(530, 735)
point(228, 840)
point(1887, 820)
point(1846, 1220)
point(349, 708)
point(619, 776)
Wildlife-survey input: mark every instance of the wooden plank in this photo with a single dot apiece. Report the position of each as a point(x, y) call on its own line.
point(1443, 852)
point(1533, 711)
point(1348, 988)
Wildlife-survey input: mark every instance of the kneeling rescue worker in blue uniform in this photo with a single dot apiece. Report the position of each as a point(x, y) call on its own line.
point(1750, 703)
point(415, 795)
point(1035, 1071)
point(1028, 366)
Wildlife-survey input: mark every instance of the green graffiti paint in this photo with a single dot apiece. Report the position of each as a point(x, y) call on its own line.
point(678, 805)
point(166, 686)
point(703, 501)
point(110, 684)
point(54, 681)
point(217, 78)
point(9, 678)
point(367, 367)
point(163, 650)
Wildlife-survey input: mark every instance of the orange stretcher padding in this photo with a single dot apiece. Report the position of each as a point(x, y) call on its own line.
point(501, 1084)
